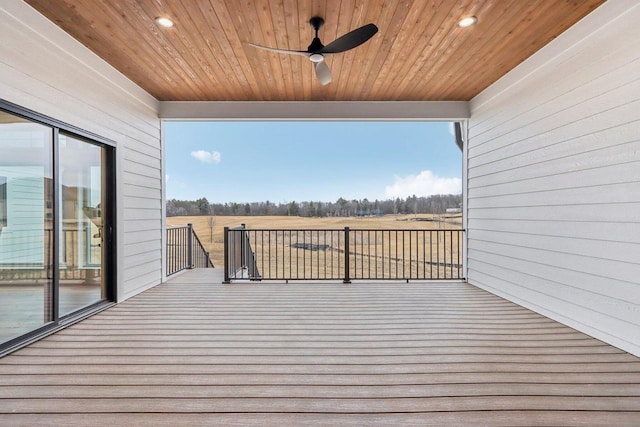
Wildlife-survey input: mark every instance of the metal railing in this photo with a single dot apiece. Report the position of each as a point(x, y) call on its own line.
point(342, 254)
point(185, 250)
point(239, 258)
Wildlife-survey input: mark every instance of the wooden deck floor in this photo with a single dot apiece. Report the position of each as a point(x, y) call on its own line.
point(195, 352)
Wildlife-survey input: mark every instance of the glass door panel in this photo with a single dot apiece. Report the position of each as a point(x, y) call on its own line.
point(26, 226)
point(82, 195)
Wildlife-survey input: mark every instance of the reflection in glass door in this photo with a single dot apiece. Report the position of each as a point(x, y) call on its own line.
point(82, 200)
point(26, 226)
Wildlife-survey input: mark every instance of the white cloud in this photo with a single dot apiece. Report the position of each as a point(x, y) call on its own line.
point(207, 156)
point(426, 183)
point(166, 178)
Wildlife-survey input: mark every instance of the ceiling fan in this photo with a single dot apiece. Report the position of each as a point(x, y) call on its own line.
point(316, 51)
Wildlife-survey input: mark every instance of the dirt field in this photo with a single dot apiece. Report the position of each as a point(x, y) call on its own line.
point(367, 242)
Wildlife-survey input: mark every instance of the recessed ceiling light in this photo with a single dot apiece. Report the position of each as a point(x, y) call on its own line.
point(467, 22)
point(164, 22)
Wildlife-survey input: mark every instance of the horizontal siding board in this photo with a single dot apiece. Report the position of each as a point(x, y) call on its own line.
point(142, 203)
point(141, 170)
point(597, 230)
point(142, 225)
point(151, 158)
point(619, 212)
point(135, 191)
point(142, 151)
point(138, 158)
point(141, 247)
point(140, 271)
point(142, 236)
point(613, 193)
point(146, 214)
point(140, 259)
point(141, 180)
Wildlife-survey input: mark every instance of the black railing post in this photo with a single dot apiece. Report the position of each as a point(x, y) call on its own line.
point(226, 256)
point(243, 247)
point(189, 245)
point(347, 278)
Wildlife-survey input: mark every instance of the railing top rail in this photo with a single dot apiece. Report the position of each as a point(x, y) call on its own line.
point(197, 239)
point(350, 229)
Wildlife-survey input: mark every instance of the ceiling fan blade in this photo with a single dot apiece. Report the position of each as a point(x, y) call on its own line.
point(323, 73)
point(285, 51)
point(350, 40)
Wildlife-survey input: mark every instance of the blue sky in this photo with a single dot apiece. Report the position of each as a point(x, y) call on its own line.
point(286, 161)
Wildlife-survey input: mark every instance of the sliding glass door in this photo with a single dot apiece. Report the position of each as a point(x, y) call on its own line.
point(26, 239)
point(56, 212)
point(81, 230)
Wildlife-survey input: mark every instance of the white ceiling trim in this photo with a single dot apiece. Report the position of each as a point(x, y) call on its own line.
point(315, 110)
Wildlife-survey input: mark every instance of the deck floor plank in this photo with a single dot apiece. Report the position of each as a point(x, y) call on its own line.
point(196, 352)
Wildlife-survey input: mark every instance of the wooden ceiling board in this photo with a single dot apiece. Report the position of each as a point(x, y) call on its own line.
point(419, 53)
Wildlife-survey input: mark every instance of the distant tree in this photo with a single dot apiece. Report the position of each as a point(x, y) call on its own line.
point(365, 206)
point(211, 222)
point(171, 208)
point(247, 208)
point(342, 204)
point(311, 211)
point(203, 206)
point(294, 209)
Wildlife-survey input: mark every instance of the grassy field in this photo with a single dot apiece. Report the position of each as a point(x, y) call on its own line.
point(369, 252)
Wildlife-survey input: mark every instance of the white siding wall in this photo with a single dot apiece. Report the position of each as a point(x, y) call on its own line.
point(45, 70)
point(554, 179)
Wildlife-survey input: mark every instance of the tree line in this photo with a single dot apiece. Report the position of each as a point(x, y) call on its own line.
point(436, 204)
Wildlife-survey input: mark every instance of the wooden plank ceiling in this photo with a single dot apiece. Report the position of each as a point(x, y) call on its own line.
point(419, 53)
